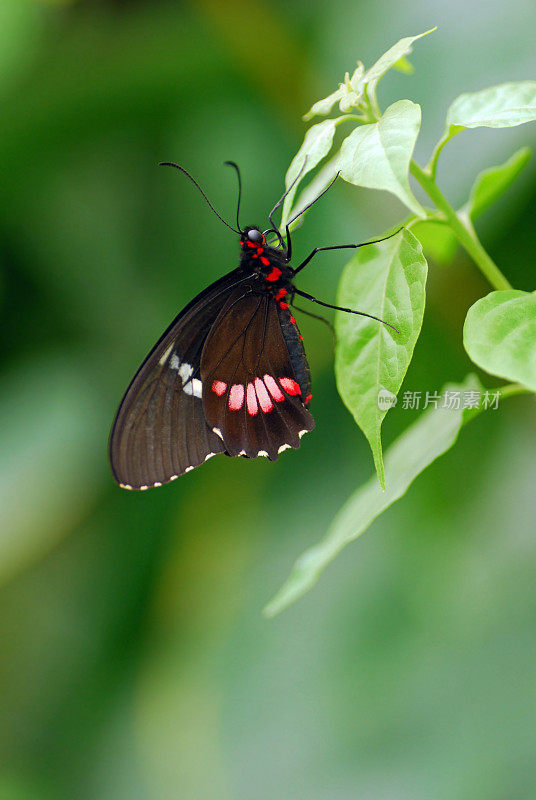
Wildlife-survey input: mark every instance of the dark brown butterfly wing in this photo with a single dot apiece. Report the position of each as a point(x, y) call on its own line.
point(255, 377)
point(160, 430)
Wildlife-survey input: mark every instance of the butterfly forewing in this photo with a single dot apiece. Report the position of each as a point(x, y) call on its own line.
point(253, 395)
point(160, 430)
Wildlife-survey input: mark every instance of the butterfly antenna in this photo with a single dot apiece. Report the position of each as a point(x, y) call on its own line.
point(195, 183)
point(235, 167)
point(347, 310)
point(274, 209)
point(307, 207)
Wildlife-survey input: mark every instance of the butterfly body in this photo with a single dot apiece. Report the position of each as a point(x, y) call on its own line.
point(228, 376)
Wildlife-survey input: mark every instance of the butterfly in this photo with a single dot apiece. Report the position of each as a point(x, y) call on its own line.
point(230, 373)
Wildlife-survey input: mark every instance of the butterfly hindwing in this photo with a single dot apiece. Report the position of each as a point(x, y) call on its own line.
point(160, 430)
point(255, 379)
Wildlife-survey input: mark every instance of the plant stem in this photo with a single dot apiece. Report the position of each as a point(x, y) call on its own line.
point(463, 230)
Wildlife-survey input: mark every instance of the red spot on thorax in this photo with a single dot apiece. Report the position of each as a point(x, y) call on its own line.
point(274, 275)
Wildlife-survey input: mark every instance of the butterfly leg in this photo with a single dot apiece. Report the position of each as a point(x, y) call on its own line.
point(338, 308)
point(341, 247)
point(319, 318)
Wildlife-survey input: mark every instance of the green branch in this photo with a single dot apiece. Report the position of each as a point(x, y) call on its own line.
point(462, 229)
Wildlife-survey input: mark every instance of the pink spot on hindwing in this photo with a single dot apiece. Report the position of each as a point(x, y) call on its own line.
point(251, 400)
point(236, 397)
point(219, 387)
point(265, 401)
point(290, 386)
point(273, 388)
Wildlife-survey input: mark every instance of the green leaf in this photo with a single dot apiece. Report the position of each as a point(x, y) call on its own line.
point(499, 335)
point(389, 281)
point(491, 183)
point(324, 106)
point(316, 145)
point(392, 58)
point(321, 181)
point(497, 107)
point(377, 156)
point(437, 240)
point(429, 437)
point(502, 106)
point(404, 66)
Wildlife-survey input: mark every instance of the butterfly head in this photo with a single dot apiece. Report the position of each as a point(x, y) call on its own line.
point(252, 236)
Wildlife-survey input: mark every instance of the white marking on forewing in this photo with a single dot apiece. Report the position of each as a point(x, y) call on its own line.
point(185, 370)
point(193, 386)
point(209, 456)
point(301, 433)
point(164, 357)
point(189, 469)
point(173, 477)
point(157, 483)
point(284, 447)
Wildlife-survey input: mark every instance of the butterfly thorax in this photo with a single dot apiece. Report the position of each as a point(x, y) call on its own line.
point(268, 263)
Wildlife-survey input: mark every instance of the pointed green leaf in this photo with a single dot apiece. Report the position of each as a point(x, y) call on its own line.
point(502, 106)
point(404, 66)
point(437, 239)
point(316, 145)
point(377, 156)
point(324, 106)
point(429, 437)
point(392, 58)
point(499, 335)
point(387, 280)
point(321, 181)
point(491, 183)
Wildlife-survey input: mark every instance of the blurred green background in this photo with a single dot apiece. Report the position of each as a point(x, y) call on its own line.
point(134, 660)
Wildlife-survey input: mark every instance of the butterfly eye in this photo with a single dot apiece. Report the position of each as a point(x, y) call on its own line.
point(256, 236)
